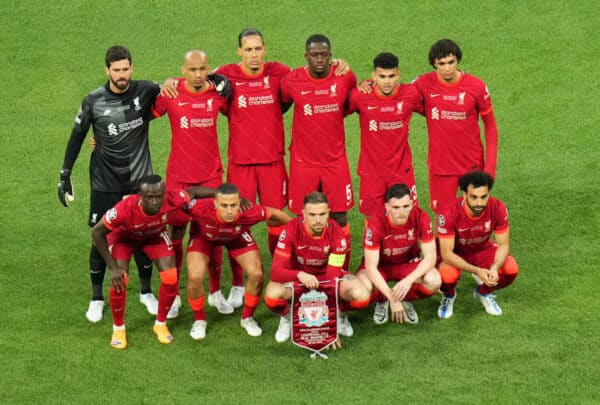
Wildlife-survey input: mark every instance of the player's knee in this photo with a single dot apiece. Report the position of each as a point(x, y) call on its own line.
point(432, 280)
point(510, 267)
point(274, 303)
point(169, 276)
point(449, 274)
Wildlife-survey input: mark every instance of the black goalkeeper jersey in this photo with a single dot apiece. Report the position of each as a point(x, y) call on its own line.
point(120, 125)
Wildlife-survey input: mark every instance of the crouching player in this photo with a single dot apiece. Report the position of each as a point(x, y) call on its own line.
point(312, 248)
point(220, 222)
point(391, 253)
point(465, 230)
point(139, 221)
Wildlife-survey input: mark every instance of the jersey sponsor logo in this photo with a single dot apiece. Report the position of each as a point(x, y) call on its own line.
point(126, 126)
point(387, 252)
point(136, 103)
point(373, 125)
point(180, 104)
point(242, 101)
point(184, 122)
point(307, 111)
point(435, 113)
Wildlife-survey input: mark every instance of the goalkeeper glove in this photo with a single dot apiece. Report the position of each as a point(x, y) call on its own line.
point(222, 85)
point(65, 187)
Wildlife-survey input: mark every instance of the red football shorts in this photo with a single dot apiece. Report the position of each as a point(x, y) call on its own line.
point(395, 272)
point(334, 181)
point(236, 247)
point(268, 181)
point(179, 217)
point(442, 191)
point(372, 193)
point(122, 247)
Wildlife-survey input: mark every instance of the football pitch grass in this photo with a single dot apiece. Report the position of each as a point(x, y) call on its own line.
point(540, 61)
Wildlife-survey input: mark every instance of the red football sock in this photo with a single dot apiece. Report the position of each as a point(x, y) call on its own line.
point(417, 292)
point(197, 306)
point(277, 305)
point(166, 295)
point(117, 305)
point(250, 304)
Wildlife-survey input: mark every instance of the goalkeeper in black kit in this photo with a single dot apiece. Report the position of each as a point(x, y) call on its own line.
point(119, 113)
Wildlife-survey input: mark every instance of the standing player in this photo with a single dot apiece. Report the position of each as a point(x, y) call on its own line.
point(119, 113)
point(139, 222)
point(385, 113)
point(454, 101)
point(220, 222)
point(195, 158)
point(391, 253)
point(465, 229)
point(318, 158)
point(312, 249)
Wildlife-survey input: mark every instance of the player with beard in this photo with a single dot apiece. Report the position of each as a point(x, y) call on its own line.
point(465, 231)
point(311, 249)
point(119, 113)
point(392, 253)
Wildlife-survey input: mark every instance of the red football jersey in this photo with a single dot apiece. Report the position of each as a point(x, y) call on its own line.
point(398, 244)
point(195, 155)
point(305, 252)
point(318, 137)
point(452, 112)
point(384, 121)
point(256, 131)
point(212, 228)
point(472, 234)
point(128, 217)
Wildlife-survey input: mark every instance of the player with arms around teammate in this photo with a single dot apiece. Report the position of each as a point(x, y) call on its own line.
point(139, 222)
point(385, 112)
point(318, 158)
point(312, 249)
point(195, 159)
point(454, 100)
point(220, 222)
point(119, 113)
point(465, 231)
point(392, 253)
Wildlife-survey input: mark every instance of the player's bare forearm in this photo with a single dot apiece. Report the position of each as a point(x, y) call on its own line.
point(502, 251)
point(201, 192)
point(277, 217)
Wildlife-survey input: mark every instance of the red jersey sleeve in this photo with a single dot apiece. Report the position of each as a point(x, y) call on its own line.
point(425, 228)
point(372, 235)
point(281, 268)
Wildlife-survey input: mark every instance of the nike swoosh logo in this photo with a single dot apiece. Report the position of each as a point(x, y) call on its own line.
point(239, 83)
point(136, 226)
point(305, 92)
point(463, 229)
point(302, 247)
point(182, 104)
point(371, 108)
point(432, 95)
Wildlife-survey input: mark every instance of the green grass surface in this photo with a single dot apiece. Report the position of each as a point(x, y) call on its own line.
point(539, 59)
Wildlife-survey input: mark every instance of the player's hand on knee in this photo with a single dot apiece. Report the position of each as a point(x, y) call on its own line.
point(400, 290)
point(66, 194)
point(118, 278)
